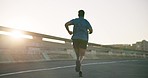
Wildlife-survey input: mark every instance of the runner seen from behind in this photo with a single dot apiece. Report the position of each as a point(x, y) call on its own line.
point(80, 36)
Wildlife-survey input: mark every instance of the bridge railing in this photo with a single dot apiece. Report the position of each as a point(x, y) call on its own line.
point(37, 49)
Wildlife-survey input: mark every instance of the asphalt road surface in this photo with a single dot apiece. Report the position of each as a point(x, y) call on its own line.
point(65, 69)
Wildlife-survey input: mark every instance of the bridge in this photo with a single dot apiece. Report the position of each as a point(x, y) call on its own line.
point(32, 58)
point(36, 49)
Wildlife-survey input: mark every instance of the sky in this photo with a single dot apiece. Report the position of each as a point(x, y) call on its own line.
point(113, 21)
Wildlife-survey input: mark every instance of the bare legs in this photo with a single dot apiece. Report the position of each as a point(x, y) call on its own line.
point(80, 52)
point(79, 47)
point(80, 56)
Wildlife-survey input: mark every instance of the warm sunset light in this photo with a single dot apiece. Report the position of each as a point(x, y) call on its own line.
point(16, 34)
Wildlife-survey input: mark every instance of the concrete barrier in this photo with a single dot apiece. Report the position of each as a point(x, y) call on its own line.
point(36, 49)
point(67, 54)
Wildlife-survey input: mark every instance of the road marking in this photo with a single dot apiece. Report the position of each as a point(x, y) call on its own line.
point(62, 67)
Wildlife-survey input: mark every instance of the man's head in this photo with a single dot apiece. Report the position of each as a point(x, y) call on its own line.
point(81, 13)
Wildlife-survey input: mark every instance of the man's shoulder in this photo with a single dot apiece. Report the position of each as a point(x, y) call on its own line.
point(80, 19)
point(86, 20)
point(75, 19)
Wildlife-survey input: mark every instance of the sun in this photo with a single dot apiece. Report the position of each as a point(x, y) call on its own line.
point(16, 34)
point(19, 35)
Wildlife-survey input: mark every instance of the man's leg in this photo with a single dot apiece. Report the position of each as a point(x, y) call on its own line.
point(78, 64)
point(77, 52)
point(81, 54)
point(80, 48)
point(76, 49)
point(81, 57)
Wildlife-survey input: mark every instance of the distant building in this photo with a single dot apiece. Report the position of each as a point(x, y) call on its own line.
point(143, 45)
point(123, 46)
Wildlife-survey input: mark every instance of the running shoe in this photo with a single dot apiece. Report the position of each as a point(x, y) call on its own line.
point(80, 74)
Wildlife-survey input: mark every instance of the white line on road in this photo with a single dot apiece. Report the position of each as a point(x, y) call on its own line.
point(62, 67)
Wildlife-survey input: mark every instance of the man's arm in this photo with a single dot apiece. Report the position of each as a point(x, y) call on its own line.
point(67, 27)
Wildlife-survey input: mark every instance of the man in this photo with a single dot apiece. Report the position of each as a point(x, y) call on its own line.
point(80, 37)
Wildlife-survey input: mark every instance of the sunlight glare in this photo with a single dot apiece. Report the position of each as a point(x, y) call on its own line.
point(16, 34)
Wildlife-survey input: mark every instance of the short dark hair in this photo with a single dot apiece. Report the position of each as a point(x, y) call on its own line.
point(81, 13)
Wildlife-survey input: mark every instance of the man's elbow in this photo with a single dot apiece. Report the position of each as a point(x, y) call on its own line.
point(67, 24)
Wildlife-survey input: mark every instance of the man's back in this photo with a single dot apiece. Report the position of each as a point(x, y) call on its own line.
point(80, 29)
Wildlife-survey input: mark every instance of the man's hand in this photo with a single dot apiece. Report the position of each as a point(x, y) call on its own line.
point(70, 32)
point(90, 31)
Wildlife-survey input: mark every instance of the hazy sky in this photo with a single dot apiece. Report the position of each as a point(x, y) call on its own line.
point(113, 21)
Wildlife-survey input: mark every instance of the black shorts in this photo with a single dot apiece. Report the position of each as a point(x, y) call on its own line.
point(78, 43)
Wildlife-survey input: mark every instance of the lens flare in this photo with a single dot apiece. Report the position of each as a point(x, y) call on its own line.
point(16, 34)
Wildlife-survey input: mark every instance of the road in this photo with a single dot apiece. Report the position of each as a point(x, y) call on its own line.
point(65, 69)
